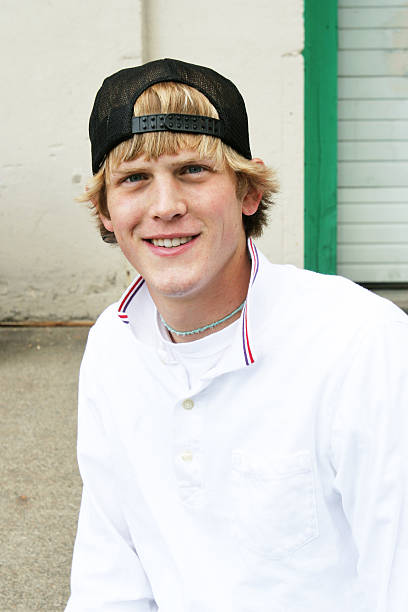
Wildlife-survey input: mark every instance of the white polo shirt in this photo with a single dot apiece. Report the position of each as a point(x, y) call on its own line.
point(276, 483)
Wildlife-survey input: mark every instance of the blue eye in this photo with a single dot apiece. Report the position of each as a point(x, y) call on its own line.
point(134, 178)
point(194, 169)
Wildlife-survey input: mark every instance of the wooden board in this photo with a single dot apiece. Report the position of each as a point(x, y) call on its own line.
point(373, 174)
point(373, 17)
point(373, 62)
point(373, 233)
point(358, 38)
point(371, 3)
point(372, 130)
point(373, 194)
point(372, 213)
point(373, 109)
point(376, 150)
point(373, 254)
point(380, 273)
point(373, 88)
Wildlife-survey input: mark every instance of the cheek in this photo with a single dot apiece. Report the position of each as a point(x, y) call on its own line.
point(124, 214)
point(225, 204)
point(231, 214)
point(232, 232)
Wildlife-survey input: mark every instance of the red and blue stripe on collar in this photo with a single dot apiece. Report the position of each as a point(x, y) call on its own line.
point(248, 354)
point(128, 297)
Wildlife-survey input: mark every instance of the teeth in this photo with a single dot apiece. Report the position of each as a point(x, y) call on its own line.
point(171, 242)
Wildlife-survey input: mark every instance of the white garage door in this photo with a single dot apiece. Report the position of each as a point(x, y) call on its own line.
point(373, 140)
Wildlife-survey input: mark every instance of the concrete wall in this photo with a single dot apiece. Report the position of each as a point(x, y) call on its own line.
point(53, 264)
point(258, 46)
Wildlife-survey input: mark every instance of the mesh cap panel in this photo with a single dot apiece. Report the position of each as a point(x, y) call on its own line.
point(111, 118)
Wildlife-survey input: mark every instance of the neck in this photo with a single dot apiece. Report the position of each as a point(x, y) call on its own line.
point(220, 323)
point(197, 311)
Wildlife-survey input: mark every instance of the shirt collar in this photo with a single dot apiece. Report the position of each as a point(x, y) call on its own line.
point(136, 300)
point(246, 343)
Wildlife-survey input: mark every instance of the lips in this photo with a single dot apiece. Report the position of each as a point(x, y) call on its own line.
point(171, 242)
point(171, 245)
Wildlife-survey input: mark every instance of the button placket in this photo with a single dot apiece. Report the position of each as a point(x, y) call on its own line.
point(187, 451)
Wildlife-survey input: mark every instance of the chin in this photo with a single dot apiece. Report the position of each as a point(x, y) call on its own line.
point(175, 288)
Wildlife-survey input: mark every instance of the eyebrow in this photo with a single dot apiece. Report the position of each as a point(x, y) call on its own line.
point(142, 168)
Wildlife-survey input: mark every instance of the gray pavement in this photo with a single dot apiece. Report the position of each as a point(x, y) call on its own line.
point(40, 484)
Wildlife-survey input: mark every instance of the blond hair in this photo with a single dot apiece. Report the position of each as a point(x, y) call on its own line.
point(170, 97)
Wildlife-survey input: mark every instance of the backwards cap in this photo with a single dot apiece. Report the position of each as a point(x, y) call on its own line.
point(112, 120)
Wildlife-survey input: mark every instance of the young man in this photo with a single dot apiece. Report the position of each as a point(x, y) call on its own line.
point(243, 426)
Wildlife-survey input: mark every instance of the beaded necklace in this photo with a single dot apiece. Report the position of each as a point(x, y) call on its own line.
point(201, 329)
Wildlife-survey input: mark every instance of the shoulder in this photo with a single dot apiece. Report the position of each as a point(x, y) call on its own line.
point(106, 323)
point(328, 297)
point(327, 316)
point(107, 334)
point(348, 300)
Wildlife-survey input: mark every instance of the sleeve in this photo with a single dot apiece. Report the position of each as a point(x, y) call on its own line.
point(370, 455)
point(107, 574)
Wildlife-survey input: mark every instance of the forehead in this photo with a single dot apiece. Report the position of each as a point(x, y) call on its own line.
point(166, 159)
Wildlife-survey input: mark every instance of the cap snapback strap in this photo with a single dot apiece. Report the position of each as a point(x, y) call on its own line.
point(194, 124)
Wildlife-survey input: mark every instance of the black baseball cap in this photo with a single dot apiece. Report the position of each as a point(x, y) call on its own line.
point(112, 120)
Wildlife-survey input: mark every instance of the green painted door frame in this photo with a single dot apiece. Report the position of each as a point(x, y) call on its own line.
point(320, 57)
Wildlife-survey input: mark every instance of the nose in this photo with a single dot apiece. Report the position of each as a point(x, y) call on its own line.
point(167, 200)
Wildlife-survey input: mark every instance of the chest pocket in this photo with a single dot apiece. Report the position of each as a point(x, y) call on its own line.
point(274, 505)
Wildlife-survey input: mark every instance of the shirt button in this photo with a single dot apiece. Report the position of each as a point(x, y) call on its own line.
point(188, 404)
point(163, 356)
point(187, 456)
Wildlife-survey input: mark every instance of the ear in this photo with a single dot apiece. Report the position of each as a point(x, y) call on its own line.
point(105, 220)
point(252, 198)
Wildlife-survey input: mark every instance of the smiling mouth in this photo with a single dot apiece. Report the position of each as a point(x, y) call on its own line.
point(169, 243)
